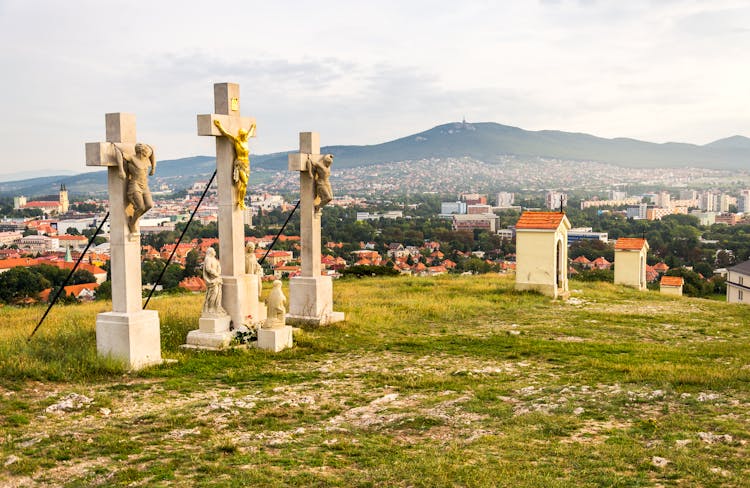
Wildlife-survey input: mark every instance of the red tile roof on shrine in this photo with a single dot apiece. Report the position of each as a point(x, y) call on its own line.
point(630, 243)
point(672, 281)
point(540, 220)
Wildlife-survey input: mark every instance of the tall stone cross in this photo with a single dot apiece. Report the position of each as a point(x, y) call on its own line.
point(310, 294)
point(239, 291)
point(128, 332)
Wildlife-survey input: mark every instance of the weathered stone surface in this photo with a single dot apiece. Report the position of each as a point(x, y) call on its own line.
point(132, 337)
point(275, 339)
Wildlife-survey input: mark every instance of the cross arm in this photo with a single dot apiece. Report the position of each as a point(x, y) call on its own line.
point(105, 154)
point(298, 161)
point(231, 124)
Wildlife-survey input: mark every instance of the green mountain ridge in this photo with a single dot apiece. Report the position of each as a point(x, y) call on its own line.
point(485, 141)
point(488, 141)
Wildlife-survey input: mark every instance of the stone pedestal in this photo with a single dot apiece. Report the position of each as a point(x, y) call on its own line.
point(130, 337)
point(275, 339)
point(311, 301)
point(213, 334)
point(256, 311)
point(239, 297)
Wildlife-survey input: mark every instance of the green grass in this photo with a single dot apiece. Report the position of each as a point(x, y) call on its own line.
point(448, 381)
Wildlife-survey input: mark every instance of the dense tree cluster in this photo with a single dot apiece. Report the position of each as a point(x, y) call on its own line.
point(19, 283)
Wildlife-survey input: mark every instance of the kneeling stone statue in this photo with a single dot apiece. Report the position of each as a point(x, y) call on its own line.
point(276, 304)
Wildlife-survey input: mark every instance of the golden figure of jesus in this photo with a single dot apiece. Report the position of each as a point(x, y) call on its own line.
point(241, 171)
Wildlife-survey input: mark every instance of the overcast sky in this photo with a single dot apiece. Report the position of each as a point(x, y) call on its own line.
point(364, 72)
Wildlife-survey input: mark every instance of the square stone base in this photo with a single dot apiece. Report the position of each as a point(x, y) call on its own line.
point(311, 301)
point(239, 297)
point(326, 319)
point(275, 339)
point(130, 337)
point(213, 334)
point(545, 289)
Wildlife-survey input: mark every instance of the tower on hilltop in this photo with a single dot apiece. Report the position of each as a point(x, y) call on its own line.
point(64, 203)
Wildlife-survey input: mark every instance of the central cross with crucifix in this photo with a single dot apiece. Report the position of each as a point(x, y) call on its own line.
point(128, 333)
point(311, 294)
point(239, 291)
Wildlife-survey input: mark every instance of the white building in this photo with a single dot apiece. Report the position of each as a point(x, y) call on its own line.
point(630, 262)
point(542, 253)
point(553, 199)
point(743, 203)
point(9, 237)
point(391, 214)
point(738, 283)
point(586, 233)
point(38, 243)
point(638, 212)
point(80, 225)
point(19, 202)
point(663, 200)
point(486, 222)
point(707, 201)
point(505, 199)
point(448, 208)
point(705, 218)
point(688, 195)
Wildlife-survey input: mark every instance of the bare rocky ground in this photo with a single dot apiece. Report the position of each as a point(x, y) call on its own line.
point(419, 389)
point(340, 404)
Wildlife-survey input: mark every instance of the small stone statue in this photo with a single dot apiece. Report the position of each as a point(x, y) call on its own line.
point(252, 266)
point(320, 172)
point(241, 171)
point(276, 304)
point(133, 169)
point(212, 276)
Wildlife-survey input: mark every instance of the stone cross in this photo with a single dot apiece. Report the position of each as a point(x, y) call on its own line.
point(239, 291)
point(128, 332)
point(310, 294)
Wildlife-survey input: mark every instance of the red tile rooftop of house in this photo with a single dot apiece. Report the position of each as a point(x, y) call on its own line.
point(671, 281)
point(539, 220)
point(630, 243)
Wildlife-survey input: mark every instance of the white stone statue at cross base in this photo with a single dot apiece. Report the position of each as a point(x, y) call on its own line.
point(275, 335)
point(252, 266)
point(212, 276)
point(276, 303)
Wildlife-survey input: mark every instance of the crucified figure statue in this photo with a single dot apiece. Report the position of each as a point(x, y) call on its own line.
point(134, 168)
point(241, 171)
point(320, 171)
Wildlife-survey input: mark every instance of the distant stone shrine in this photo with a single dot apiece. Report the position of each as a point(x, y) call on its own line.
point(128, 332)
point(542, 253)
point(239, 290)
point(311, 294)
point(630, 262)
point(671, 285)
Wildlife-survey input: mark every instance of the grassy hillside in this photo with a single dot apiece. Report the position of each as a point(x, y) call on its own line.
point(430, 382)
